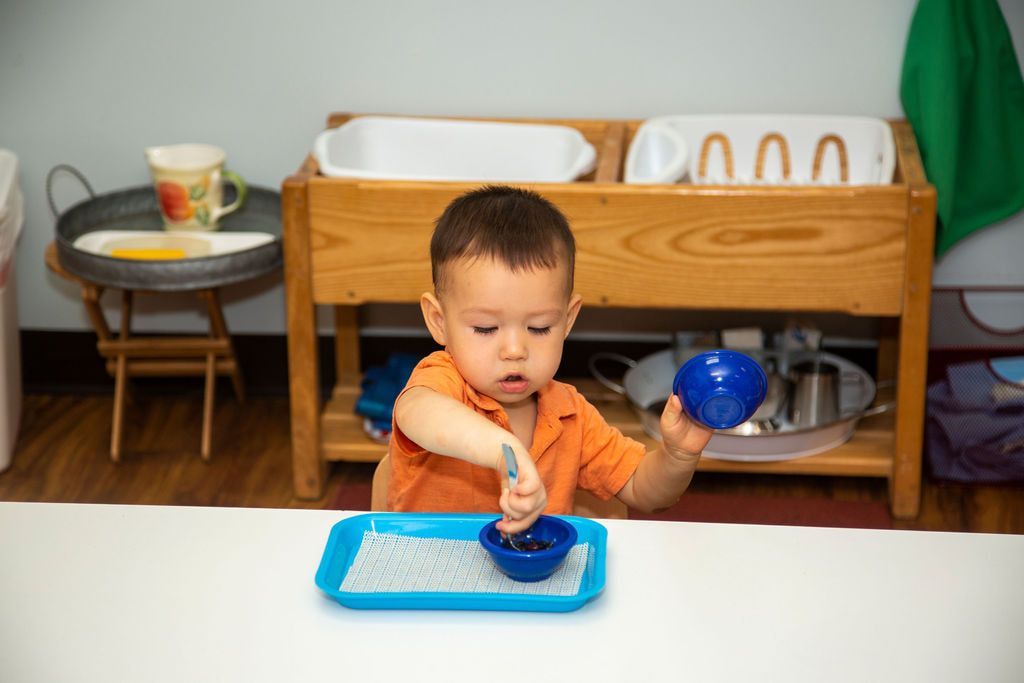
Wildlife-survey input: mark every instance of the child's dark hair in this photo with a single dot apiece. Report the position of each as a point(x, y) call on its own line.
point(514, 226)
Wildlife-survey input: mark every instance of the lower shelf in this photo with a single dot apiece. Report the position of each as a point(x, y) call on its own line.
point(868, 454)
point(341, 430)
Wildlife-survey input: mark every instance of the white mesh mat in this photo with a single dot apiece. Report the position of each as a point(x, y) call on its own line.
point(393, 563)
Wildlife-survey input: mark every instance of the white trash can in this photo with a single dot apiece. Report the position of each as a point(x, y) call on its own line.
point(11, 221)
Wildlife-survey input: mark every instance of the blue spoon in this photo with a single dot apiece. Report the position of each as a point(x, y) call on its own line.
point(512, 467)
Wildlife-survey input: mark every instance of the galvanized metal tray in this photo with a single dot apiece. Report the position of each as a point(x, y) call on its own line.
point(136, 208)
point(648, 382)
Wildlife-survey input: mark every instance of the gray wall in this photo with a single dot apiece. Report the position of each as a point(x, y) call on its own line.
point(92, 83)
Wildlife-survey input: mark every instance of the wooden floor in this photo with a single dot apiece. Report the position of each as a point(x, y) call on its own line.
point(62, 455)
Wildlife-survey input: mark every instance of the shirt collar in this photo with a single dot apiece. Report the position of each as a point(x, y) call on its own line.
point(481, 401)
point(555, 399)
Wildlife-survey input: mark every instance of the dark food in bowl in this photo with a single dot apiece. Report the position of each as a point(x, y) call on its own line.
point(527, 545)
point(554, 537)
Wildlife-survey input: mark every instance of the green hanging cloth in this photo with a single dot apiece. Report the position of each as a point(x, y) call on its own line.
point(962, 92)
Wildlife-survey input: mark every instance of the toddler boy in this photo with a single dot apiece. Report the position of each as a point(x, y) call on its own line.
point(502, 260)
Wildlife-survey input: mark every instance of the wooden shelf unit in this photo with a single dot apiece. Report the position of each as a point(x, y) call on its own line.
point(859, 250)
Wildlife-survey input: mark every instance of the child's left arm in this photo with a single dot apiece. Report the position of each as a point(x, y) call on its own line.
point(665, 472)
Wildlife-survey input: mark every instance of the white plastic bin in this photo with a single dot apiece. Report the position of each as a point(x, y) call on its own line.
point(402, 148)
point(762, 149)
point(11, 221)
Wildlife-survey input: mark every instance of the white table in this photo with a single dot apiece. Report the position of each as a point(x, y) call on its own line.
point(131, 593)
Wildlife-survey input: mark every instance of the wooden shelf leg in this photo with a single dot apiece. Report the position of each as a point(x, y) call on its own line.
point(309, 469)
point(888, 349)
point(912, 365)
point(346, 343)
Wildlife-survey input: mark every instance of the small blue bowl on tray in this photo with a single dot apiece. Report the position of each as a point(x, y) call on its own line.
point(464, 577)
point(556, 535)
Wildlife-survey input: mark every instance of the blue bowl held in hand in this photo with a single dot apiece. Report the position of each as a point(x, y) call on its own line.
point(721, 389)
point(556, 535)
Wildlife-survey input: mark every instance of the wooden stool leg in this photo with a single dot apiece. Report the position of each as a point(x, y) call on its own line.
point(120, 379)
point(219, 329)
point(238, 384)
point(91, 298)
point(118, 419)
point(211, 378)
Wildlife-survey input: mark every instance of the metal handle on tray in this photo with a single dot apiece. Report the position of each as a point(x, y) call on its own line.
point(877, 410)
point(49, 184)
point(607, 355)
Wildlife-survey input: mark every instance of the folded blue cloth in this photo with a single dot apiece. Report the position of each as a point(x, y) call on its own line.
point(381, 385)
point(971, 384)
point(971, 436)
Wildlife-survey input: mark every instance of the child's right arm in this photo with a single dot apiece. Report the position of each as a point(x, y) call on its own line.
point(442, 425)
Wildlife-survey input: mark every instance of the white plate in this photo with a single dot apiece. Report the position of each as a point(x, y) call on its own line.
point(396, 148)
point(194, 244)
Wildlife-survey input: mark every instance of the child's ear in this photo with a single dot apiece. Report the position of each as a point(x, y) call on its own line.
point(433, 316)
point(575, 301)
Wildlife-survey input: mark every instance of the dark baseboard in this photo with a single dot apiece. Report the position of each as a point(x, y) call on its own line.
point(57, 362)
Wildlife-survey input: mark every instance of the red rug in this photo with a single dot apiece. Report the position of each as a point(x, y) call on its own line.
point(351, 496)
point(714, 507)
point(787, 511)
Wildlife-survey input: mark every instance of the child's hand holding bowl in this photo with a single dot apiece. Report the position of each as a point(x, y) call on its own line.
point(683, 438)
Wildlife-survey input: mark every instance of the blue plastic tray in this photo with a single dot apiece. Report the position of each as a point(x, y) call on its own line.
point(347, 535)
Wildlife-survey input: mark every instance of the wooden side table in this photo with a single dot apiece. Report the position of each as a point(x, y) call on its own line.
point(166, 356)
point(136, 209)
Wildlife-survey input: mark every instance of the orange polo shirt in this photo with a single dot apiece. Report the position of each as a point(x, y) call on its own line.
point(573, 447)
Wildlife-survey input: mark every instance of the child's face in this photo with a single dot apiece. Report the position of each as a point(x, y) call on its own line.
point(504, 330)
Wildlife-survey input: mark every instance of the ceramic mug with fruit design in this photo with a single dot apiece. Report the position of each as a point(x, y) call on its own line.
point(188, 180)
